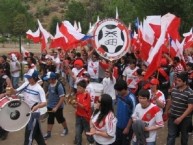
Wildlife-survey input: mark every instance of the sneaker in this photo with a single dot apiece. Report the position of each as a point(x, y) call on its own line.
point(65, 132)
point(47, 135)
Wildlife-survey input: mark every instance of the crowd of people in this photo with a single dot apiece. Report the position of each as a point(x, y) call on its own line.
point(129, 110)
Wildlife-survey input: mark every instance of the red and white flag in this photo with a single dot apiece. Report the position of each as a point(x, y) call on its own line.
point(147, 40)
point(79, 27)
point(155, 54)
point(70, 32)
point(73, 36)
point(155, 24)
point(75, 25)
point(34, 36)
point(44, 35)
point(59, 40)
point(188, 39)
point(24, 52)
point(173, 24)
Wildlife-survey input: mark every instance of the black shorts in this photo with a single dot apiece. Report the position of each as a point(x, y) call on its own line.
point(58, 115)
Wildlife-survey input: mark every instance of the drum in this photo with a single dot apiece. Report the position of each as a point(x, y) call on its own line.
point(13, 114)
point(97, 90)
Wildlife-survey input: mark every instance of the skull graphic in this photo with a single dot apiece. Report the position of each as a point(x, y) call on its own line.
point(111, 39)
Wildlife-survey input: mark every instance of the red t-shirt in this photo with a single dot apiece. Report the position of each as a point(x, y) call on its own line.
point(85, 100)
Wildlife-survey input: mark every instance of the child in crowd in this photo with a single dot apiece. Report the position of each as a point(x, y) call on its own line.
point(83, 113)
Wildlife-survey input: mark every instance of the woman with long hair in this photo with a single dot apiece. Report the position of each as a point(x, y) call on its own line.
point(103, 122)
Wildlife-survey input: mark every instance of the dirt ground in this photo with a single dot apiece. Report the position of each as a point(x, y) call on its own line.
point(16, 138)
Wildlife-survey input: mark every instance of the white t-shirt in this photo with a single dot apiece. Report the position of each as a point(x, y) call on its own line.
point(159, 94)
point(108, 125)
point(93, 69)
point(152, 116)
point(131, 77)
point(32, 94)
point(90, 90)
point(108, 87)
point(57, 64)
point(15, 65)
point(76, 72)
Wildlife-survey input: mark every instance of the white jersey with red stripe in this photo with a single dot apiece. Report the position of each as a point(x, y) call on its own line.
point(131, 77)
point(108, 125)
point(178, 69)
point(159, 94)
point(151, 116)
point(93, 69)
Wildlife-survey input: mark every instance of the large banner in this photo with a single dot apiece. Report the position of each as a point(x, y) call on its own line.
point(111, 39)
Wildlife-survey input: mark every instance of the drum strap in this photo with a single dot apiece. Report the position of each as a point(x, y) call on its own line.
point(23, 89)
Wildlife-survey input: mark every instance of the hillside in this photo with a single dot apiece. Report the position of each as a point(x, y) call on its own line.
point(45, 10)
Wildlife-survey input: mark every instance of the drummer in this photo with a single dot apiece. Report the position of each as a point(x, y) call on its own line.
point(4, 82)
point(34, 96)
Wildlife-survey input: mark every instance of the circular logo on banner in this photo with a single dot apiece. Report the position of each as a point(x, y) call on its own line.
point(111, 39)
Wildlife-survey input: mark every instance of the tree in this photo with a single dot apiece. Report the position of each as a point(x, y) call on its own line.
point(76, 12)
point(52, 27)
point(9, 9)
point(19, 24)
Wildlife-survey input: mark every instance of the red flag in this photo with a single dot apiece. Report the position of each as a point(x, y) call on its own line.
point(59, 40)
point(173, 24)
point(173, 28)
point(154, 65)
point(44, 35)
point(156, 54)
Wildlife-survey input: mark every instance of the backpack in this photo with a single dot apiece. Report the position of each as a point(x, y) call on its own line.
point(56, 87)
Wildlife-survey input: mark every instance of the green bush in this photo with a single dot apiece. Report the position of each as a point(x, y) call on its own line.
point(3, 39)
point(45, 11)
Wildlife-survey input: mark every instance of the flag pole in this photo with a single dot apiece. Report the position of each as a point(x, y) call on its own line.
point(21, 71)
point(169, 45)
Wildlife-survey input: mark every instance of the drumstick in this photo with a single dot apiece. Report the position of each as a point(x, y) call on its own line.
point(32, 112)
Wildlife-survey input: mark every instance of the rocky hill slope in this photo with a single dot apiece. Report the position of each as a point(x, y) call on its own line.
point(45, 10)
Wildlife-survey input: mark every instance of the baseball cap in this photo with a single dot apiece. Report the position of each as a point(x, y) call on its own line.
point(32, 73)
point(49, 75)
point(78, 62)
point(164, 62)
point(154, 81)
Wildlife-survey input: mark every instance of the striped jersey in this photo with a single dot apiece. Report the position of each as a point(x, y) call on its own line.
point(32, 93)
point(180, 101)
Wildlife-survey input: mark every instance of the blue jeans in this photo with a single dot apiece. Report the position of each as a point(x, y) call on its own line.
point(82, 125)
point(15, 82)
point(173, 130)
point(148, 143)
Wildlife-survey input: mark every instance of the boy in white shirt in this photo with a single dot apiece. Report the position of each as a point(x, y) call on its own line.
point(150, 115)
